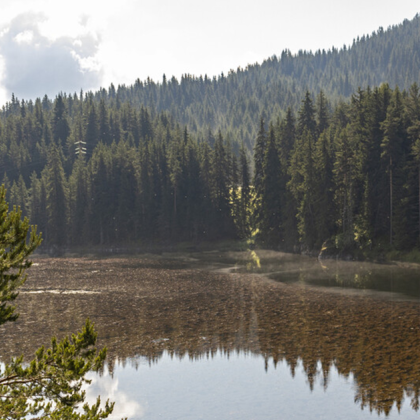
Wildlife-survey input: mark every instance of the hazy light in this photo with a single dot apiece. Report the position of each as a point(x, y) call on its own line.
point(137, 39)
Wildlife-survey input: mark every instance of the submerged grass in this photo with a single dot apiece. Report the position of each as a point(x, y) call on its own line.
point(145, 306)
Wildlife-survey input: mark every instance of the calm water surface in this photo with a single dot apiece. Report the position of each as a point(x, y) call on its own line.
point(237, 388)
point(235, 336)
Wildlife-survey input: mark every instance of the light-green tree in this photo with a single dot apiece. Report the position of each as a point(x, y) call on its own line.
point(51, 385)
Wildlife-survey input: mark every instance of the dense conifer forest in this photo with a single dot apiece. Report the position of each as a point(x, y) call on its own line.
point(234, 101)
point(335, 144)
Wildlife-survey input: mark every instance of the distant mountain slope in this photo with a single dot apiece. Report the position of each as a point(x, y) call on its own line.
point(234, 102)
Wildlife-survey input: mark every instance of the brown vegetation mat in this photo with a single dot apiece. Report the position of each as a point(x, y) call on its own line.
point(147, 306)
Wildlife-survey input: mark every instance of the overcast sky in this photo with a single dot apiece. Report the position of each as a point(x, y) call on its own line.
point(48, 46)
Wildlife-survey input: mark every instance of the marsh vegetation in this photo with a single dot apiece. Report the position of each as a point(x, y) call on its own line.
point(204, 306)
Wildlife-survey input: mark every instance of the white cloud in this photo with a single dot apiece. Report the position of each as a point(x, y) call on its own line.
point(107, 387)
point(34, 64)
point(24, 37)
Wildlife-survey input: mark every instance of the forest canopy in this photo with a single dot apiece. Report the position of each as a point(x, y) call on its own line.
point(95, 173)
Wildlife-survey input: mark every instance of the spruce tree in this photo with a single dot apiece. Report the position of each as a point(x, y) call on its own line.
point(272, 196)
point(393, 145)
point(322, 112)
point(18, 240)
point(306, 119)
point(259, 156)
point(243, 221)
point(56, 199)
point(323, 191)
point(60, 125)
point(50, 385)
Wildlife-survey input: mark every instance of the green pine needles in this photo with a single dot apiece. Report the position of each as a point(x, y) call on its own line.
point(14, 251)
point(51, 385)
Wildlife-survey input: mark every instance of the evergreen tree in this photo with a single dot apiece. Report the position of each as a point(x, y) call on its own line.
point(78, 202)
point(259, 155)
point(272, 194)
point(91, 136)
point(344, 190)
point(18, 240)
point(221, 187)
point(324, 191)
point(56, 199)
point(413, 131)
point(306, 119)
point(50, 385)
point(393, 150)
point(322, 112)
point(60, 125)
point(243, 217)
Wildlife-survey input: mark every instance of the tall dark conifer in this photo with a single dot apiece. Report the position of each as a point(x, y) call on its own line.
point(60, 125)
point(393, 152)
point(272, 197)
point(243, 219)
point(259, 156)
point(56, 199)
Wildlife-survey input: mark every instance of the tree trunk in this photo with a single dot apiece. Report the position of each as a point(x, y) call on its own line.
point(390, 200)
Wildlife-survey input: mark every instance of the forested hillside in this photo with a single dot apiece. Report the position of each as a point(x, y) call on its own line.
point(348, 179)
point(169, 161)
point(233, 102)
point(113, 175)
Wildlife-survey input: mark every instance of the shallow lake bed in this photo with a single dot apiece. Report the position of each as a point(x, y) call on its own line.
point(170, 318)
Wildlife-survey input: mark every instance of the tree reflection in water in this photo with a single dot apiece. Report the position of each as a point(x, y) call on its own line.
point(145, 306)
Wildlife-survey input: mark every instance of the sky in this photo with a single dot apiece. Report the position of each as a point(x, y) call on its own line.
point(51, 46)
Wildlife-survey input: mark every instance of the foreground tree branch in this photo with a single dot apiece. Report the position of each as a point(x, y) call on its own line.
point(51, 385)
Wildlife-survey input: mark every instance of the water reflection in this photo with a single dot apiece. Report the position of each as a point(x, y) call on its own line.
point(144, 307)
point(109, 388)
point(334, 273)
point(235, 388)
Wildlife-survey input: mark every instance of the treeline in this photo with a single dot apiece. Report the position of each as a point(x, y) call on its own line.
point(118, 175)
point(344, 177)
point(230, 102)
point(346, 180)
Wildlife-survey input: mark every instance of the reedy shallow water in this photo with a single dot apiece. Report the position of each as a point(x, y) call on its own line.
point(361, 349)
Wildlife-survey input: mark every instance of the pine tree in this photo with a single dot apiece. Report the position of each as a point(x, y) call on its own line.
point(259, 156)
point(322, 113)
point(91, 135)
point(306, 210)
point(60, 125)
point(272, 196)
point(78, 202)
point(18, 240)
point(50, 385)
point(306, 119)
point(221, 187)
point(393, 150)
point(413, 130)
point(102, 205)
point(104, 129)
point(324, 191)
point(243, 216)
point(37, 202)
point(56, 199)
point(344, 190)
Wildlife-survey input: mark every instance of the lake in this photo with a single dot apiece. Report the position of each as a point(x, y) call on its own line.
point(239, 335)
